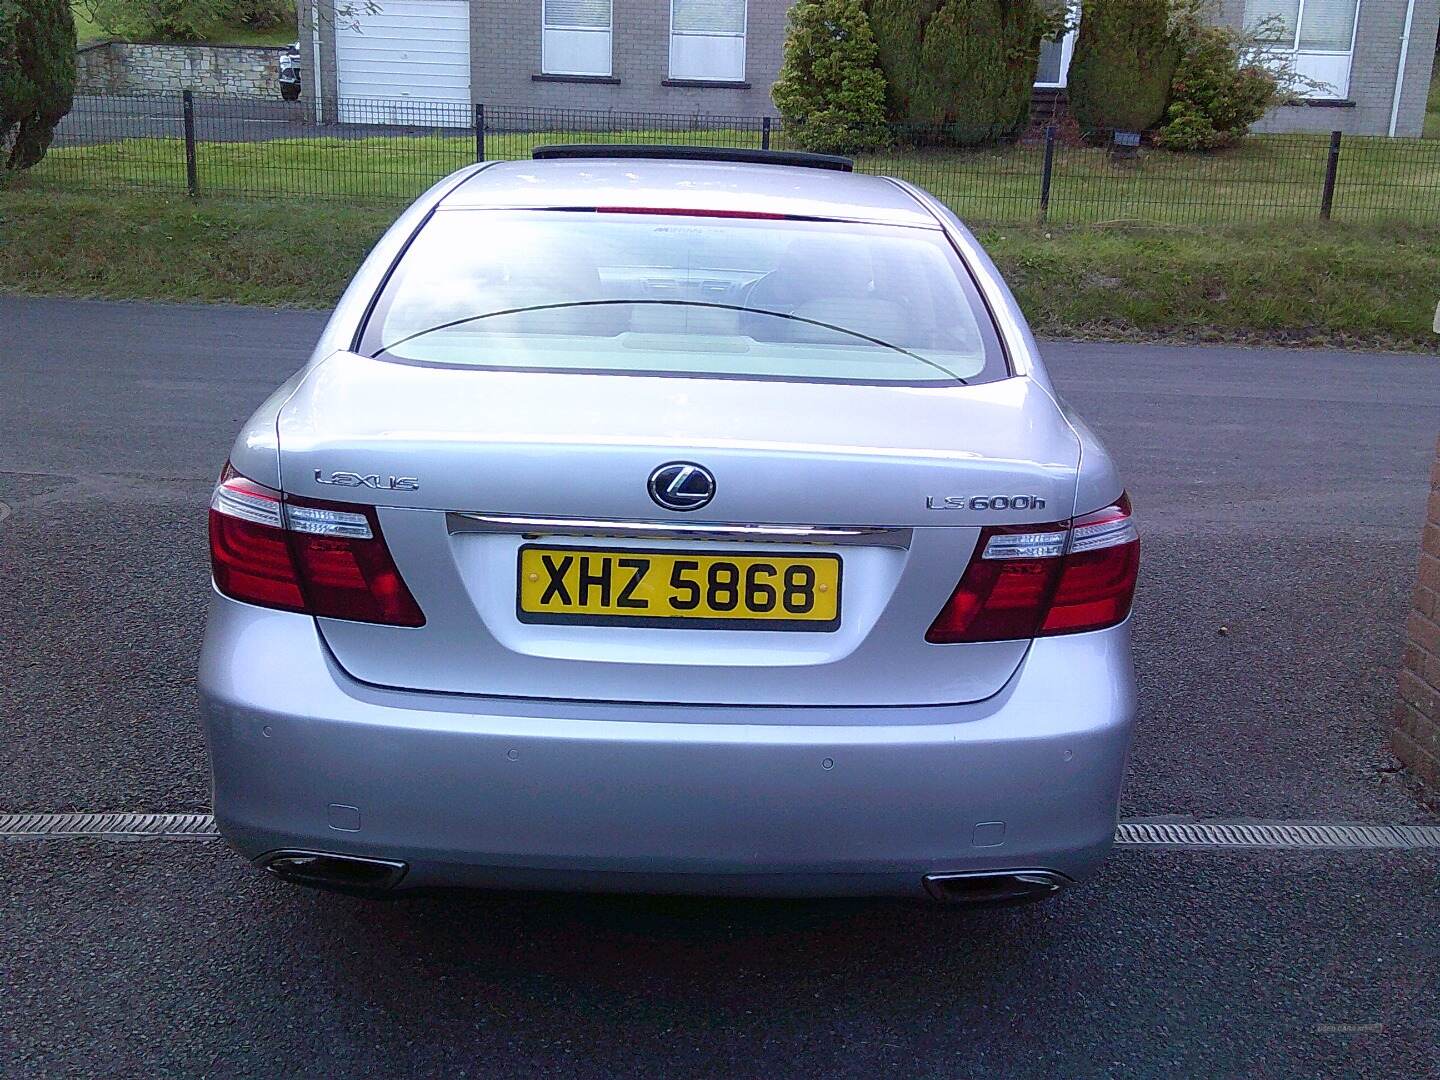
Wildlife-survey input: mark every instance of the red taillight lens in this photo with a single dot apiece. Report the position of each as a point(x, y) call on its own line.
point(1006, 587)
point(322, 558)
point(1097, 575)
point(1036, 580)
point(673, 211)
point(248, 553)
point(349, 577)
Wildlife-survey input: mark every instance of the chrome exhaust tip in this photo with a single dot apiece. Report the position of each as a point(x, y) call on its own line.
point(324, 870)
point(994, 886)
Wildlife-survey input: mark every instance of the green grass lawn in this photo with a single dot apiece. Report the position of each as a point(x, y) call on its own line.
point(1340, 284)
point(87, 30)
point(1265, 178)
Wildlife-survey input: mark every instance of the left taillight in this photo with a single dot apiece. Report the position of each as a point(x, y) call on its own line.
point(1037, 580)
point(322, 558)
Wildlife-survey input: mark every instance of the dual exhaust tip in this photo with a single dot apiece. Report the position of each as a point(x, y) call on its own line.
point(343, 873)
point(984, 887)
point(355, 874)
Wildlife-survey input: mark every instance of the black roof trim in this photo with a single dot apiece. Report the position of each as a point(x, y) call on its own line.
point(743, 155)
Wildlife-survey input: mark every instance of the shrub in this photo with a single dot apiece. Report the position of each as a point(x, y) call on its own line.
point(37, 76)
point(262, 14)
point(1125, 57)
point(1215, 96)
point(961, 70)
point(186, 20)
point(831, 92)
point(163, 20)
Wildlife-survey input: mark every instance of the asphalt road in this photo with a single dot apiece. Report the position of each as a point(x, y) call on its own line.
point(110, 118)
point(1280, 495)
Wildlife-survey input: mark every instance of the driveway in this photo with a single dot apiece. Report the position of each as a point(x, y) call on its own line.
point(1280, 495)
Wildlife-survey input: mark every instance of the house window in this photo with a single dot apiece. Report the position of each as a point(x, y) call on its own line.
point(1054, 66)
point(707, 40)
point(575, 39)
point(1315, 38)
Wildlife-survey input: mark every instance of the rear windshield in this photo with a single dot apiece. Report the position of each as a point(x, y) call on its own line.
point(636, 293)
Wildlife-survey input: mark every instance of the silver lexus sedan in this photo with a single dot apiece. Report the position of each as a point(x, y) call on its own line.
point(672, 520)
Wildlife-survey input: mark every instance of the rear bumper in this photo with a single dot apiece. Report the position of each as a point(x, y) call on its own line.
point(494, 792)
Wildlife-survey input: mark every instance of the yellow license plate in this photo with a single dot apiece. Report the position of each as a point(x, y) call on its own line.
point(716, 590)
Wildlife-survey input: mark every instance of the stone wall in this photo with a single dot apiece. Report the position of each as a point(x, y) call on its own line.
point(137, 67)
point(1416, 738)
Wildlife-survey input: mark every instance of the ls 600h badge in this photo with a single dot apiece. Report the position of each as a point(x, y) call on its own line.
point(984, 502)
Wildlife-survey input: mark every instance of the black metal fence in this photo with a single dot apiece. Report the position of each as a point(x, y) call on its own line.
point(368, 149)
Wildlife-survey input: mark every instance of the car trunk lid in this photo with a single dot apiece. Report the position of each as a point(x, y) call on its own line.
point(469, 467)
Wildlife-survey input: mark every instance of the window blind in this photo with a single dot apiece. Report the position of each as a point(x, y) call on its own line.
point(1327, 25)
point(708, 17)
point(1282, 15)
point(587, 14)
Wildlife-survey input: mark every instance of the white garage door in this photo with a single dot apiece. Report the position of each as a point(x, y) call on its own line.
point(408, 61)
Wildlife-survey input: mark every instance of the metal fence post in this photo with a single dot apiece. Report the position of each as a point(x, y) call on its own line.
point(192, 177)
point(1047, 171)
point(1332, 166)
point(479, 132)
point(765, 133)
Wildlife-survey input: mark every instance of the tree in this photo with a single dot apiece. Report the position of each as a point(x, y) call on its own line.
point(186, 20)
point(263, 14)
point(961, 70)
point(165, 20)
point(37, 76)
point(831, 92)
point(1125, 57)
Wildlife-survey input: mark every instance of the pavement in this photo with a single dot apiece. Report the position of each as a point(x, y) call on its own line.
point(1280, 495)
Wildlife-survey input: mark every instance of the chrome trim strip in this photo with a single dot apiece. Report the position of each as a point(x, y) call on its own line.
point(855, 535)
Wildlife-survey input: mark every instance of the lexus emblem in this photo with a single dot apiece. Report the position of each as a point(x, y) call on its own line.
point(682, 485)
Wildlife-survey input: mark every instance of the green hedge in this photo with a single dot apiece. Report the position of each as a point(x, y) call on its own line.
point(1125, 57)
point(961, 71)
point(831, 92)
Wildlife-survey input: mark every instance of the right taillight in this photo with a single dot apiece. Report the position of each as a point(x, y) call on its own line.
point(1037, 580)
point(321, 558)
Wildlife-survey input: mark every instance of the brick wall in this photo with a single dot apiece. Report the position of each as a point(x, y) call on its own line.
point(129, 67)
point(505, 57)
point(1417, 716)
point(505, 54)
point(1372, 73)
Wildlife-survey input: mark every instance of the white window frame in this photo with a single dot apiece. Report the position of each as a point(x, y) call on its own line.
point(1296, 54)
point(1067, 50)
point(743, 35)
point(609, 32)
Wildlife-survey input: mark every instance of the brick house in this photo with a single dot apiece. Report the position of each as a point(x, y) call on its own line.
point(720, 57)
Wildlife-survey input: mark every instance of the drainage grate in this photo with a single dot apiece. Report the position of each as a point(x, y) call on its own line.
point(1210, 834)
point(118, 826)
